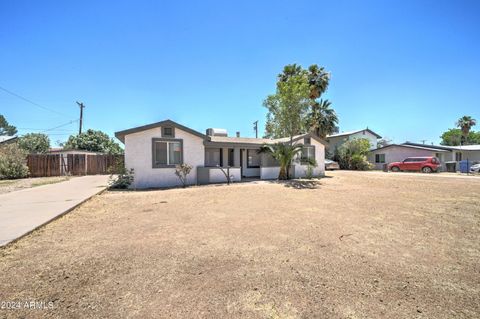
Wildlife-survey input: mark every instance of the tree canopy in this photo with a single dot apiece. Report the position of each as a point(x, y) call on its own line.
point(288, 107)
point(294, 108)
point(36, 143)
point(94, 141)
point(465, 123)
point(6, 128)
point(453, 137)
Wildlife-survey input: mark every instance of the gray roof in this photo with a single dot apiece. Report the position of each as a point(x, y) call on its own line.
point(475, 147)
point(121, 134)
point(251, 141)
point(7, 138)
point(412, 146)
point(353, 132)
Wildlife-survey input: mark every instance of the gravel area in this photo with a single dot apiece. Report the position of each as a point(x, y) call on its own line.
point(11, 185)
point(351, 245)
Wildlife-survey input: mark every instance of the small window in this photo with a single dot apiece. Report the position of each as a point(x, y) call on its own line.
point(458, 157)
point(269, 161)
point(307, 140)
point(212, 157)
point(253, 159)
point(168, 132)
point(167, 153)
point(380, 158)
point(308, 153)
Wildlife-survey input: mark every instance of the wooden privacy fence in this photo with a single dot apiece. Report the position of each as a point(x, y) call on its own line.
point(41, 165)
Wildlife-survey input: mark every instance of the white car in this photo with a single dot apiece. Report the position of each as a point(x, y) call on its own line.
point(475, 168)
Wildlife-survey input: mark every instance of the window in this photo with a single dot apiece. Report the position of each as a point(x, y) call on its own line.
point(307, 141)
point(168, 131)
point(380, 158)
point(308, 153)
point(253, 159)
point(458, 157)
point(269, 161)
point(212, 157)
point(166, 153)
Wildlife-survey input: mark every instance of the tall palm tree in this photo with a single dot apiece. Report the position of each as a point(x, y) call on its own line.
point(322, 119)
point(318, 79)
point(284, 154)
point(465, 123)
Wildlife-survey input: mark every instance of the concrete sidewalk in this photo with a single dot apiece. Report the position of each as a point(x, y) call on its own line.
point(25, 210)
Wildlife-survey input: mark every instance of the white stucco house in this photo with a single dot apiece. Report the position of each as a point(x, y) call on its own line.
point(398, 152)
point(154, 150)
point(338, 139)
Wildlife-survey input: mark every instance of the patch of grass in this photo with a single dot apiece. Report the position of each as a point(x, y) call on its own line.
point(7, 182)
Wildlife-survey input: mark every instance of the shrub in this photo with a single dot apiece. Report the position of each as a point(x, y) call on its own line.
point(360, 163)
point(311, 164)
point(182, 171)
point(35, 143)
point(123, 180)
point(13, 162)
point(353, 154)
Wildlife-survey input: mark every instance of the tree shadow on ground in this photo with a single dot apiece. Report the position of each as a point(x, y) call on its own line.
point(301, 183)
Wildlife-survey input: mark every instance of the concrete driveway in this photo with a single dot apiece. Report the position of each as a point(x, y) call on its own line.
point(25, 210)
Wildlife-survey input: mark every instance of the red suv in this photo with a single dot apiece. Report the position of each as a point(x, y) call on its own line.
point(420, 164)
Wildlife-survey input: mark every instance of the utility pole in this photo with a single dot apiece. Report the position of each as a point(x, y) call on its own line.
point(255, 127)
point(80, 104)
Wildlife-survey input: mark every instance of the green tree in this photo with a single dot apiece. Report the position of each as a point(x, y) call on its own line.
point(6, 128)
point(288, 107)
point(36, 143)
point(13, 162)
point(284, 154)
point(322, 119)
point(465, 123)
point(453, 137)
point(94, 141)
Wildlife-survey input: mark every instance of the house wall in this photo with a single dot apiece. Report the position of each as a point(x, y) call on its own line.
point(138, 155)
point(300, 170)
point(397, 154)
point(208, 175)
point(269, 172)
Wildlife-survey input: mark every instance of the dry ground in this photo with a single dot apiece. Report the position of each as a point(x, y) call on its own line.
point(11, 185)
point(355, 245)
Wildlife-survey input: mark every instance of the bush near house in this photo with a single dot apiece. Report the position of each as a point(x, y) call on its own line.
point(13, 162)
point(353, 155)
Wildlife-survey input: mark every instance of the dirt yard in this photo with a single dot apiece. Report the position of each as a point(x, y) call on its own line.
point(11, 185)
point(353, 245)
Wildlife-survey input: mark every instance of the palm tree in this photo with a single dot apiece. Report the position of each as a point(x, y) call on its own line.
point(322, 119)
point(318, 79)
point(465, 123)
point(284, 154)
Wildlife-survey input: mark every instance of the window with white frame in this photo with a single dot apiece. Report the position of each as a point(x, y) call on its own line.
point(308, 153)
point(166, 153)
point(380, 158)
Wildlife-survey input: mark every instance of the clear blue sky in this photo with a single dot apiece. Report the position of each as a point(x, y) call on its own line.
point(406, 69)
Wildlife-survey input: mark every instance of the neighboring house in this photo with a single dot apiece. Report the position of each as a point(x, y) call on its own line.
point(336, 140)
point(5, 139)
point(153, 151)
point(399, 152)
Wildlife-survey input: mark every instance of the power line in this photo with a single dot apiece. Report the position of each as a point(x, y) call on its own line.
point(62, 125)
point(33, 103)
